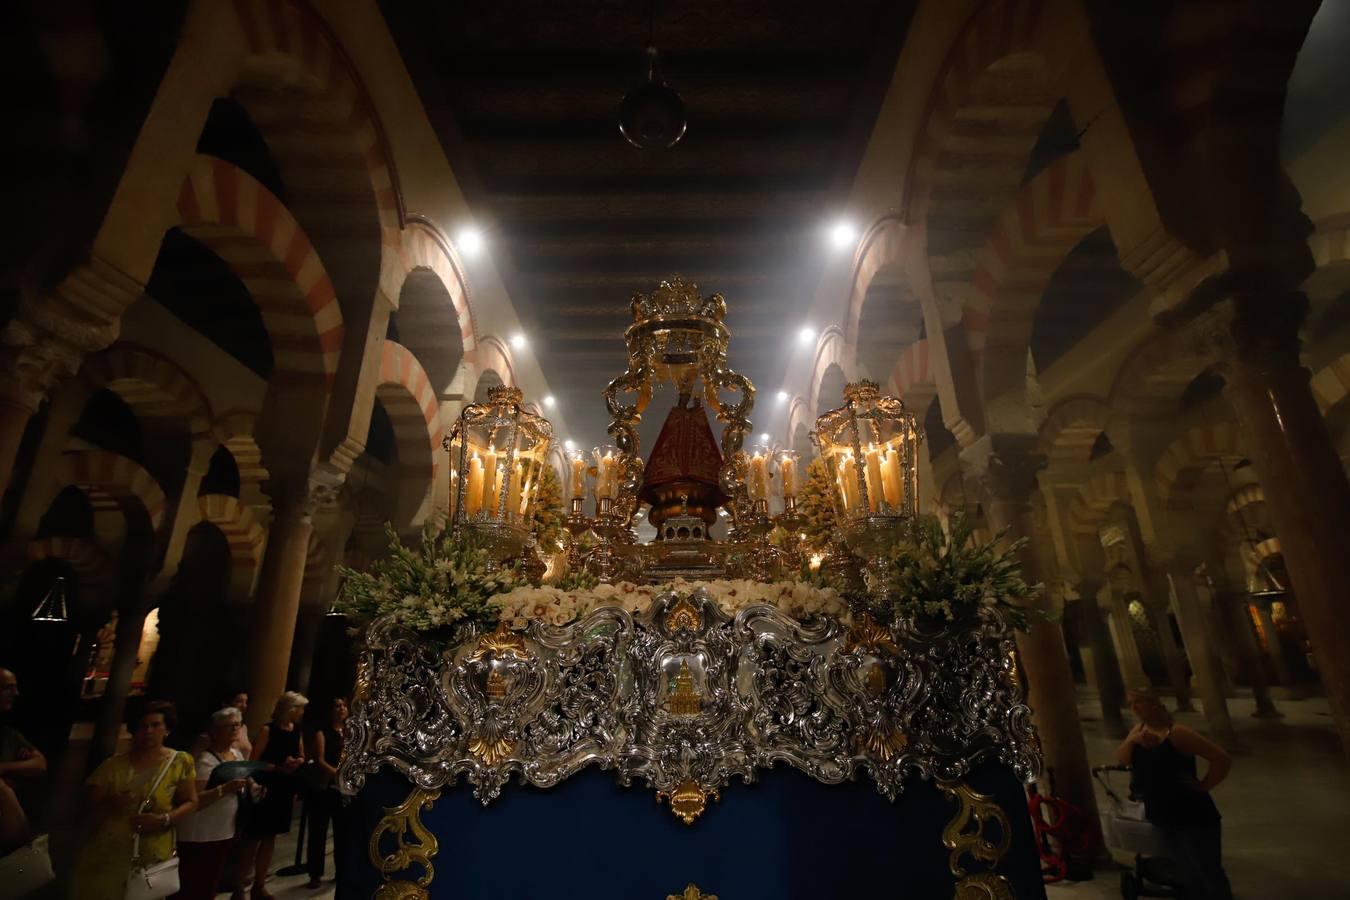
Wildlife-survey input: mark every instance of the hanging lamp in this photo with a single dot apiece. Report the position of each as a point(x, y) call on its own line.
point(651, 115)
point(53, 605)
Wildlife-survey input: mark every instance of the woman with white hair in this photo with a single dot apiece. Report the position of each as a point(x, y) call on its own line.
point(204, 838)
point(281, 745)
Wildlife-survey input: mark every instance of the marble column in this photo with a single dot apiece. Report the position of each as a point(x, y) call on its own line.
point(1203, 654)
point(127, 643)
point(1127, 647)
point(1305, 486)
point(277, 604)
point(1106, 668)
point(1154, 597)
point(1006, 471)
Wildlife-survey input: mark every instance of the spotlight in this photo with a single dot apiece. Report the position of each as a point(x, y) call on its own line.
point(764, 438)
point(469, 241)
point(782, 396)
point(569, 444)
point(806, 335)
point(549, 401)
point(518, 341)
point(842, 234)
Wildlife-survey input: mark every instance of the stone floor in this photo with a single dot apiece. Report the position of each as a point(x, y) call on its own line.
point(1286, 809)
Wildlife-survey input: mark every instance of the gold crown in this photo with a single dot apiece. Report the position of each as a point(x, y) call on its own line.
point(862, 391)
point(677, 299)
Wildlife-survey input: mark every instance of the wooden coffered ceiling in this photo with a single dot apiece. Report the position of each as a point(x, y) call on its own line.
point(780, 97)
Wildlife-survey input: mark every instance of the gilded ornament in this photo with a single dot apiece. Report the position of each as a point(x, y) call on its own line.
point(491, 749)
point(977, 809)
point(500, 642)
point(400, 822)
point(691, 892)
point(885, 741)
point(684, 699)
point(687, 800)
point(870, 636)
point(683, 616)
point(984, 886)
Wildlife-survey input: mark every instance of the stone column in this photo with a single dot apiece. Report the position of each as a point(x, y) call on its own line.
point(1127, 648)
point(1106, 669)
point(1154, 597)
point(1305, 486)
point(1231, 605)
point(277, 603)
point(1006, 471)
point(1283, 674)
point(127, 641)
point(1204, 656)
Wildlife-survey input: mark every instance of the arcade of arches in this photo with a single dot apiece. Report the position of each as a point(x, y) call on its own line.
point(1103, 254)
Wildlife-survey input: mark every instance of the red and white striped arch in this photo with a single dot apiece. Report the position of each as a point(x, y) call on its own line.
point(1051, 214)
point(1095, 498)
point(235, 431)
point(424, 247)
point(831, 350)
point(252, 231)
point(286, 41)
point(150, 384)
point(236, 521)
point(1071, 428)
point(913, 372)
point(410, 401)
point(85, 557)
point(1192, 451)
point(880, 246)
point(113, 482)
point(493, 355)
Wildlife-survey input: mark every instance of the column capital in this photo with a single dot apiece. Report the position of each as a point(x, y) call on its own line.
point(48, 338)
point(1006, 466)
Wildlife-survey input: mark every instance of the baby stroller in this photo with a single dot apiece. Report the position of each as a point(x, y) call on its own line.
point(1126, 831)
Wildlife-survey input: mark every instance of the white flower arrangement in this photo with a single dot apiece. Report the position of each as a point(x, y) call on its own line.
point(559, 607)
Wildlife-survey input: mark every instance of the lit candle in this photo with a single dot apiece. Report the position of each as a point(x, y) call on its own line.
point(759, 477)
point(473, 497)
point(891, 479)
point(525, 491)
point(454, 490)
point(605, 482)
point(874, 489)
point(578, 477)
point(492, 483)
point(514, 489)
point(848, 480)
point(787, 470)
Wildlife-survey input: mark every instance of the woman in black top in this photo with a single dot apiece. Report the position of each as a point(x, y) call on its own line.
point(1161, 755)
point(325, 804)
point(281, 744)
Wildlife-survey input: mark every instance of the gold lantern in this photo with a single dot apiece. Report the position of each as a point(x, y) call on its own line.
point(497, 453)
point(870, 447)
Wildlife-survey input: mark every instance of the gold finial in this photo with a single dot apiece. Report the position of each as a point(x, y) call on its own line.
point(692, 893)
point(677, 298)
point(687, 800)
point(684, 615)
point(862, 391)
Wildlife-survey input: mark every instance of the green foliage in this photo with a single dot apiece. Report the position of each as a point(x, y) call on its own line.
point(548, 517)
point(443, 582)
point(815, 503)
point(943, 573)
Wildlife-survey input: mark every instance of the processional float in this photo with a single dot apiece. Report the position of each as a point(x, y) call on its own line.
point(797, 743)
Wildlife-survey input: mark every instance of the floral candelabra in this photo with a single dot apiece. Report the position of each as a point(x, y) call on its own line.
point(497, 454)
point(870, 449)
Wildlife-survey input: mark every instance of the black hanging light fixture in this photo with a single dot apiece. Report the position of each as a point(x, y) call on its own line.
point(651, 115)
point(53, 605)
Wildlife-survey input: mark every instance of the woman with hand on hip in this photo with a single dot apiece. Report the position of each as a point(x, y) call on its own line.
point(205, 837)
point(282, 746)
point(1161, 755)
point(140, 794)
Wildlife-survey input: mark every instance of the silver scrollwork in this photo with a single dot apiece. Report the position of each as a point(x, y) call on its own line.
point(684, 697)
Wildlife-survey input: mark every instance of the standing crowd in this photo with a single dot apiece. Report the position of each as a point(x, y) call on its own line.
point(165, 822)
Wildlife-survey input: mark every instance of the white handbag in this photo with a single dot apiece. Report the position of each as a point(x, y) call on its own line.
point(160, 879)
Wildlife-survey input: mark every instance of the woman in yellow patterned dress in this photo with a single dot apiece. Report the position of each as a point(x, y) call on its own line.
point(119, 790)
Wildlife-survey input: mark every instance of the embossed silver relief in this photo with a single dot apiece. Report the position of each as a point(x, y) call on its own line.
point(684, 697)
